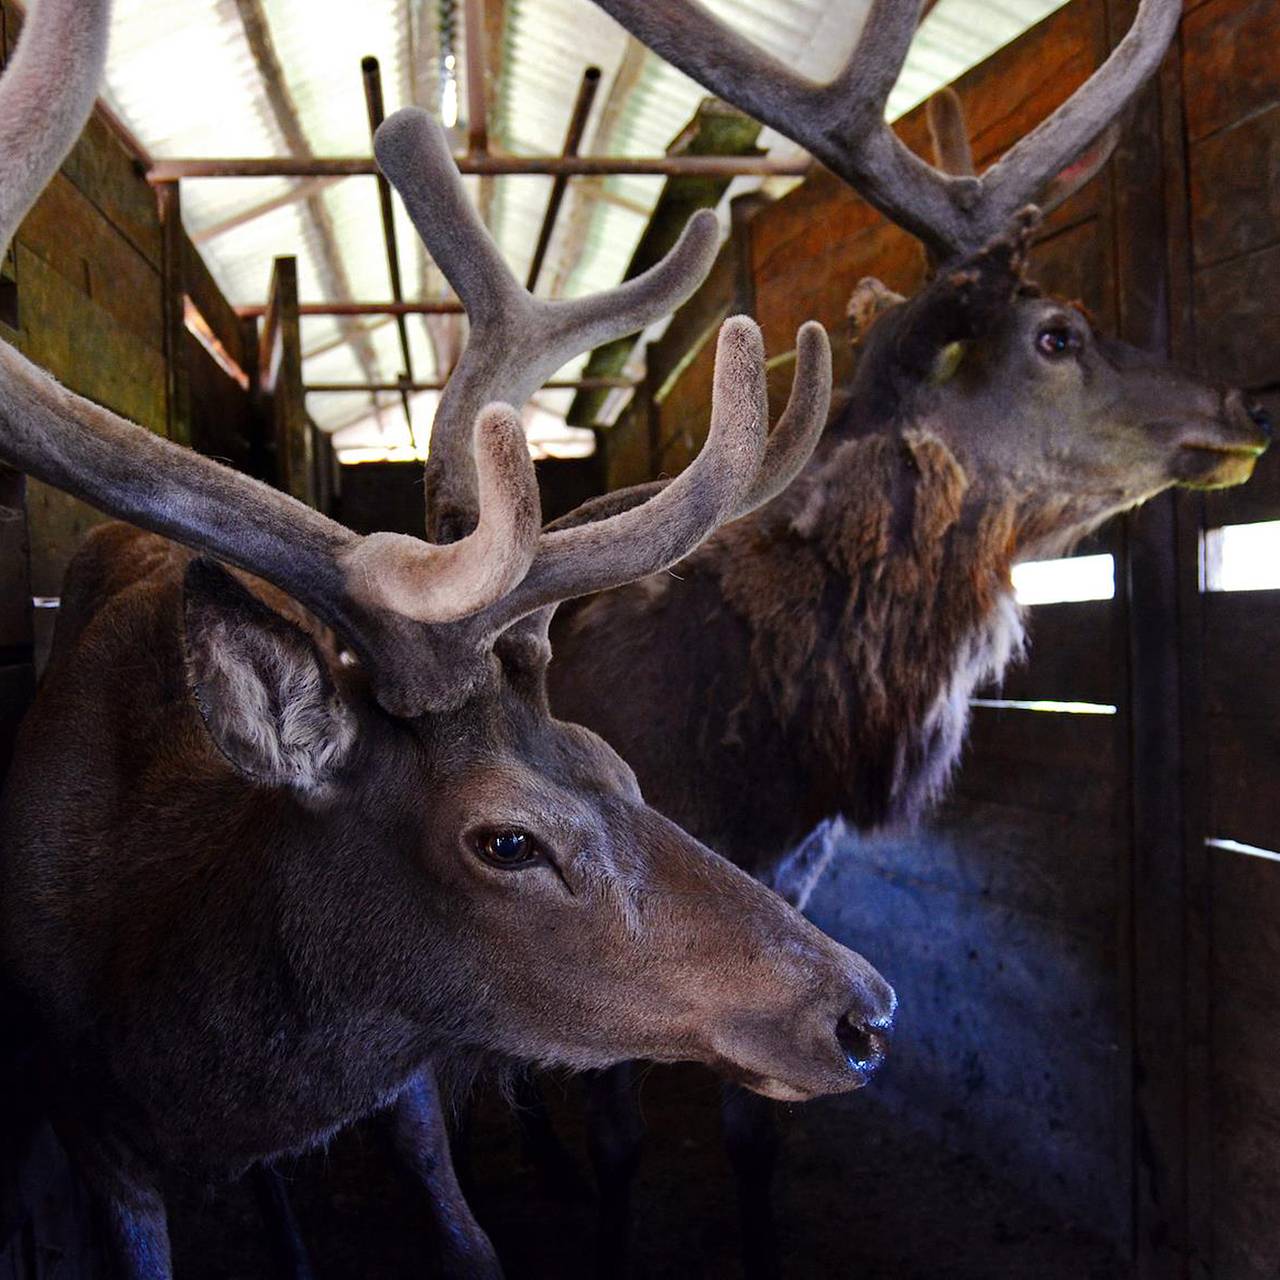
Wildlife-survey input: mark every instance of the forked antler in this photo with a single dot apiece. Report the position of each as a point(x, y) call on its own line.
point(842, 123)
point(424, 617)
point(517, 341)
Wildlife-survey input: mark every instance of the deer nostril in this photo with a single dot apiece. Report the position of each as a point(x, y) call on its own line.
point(864, 1042)
point(1261, 419)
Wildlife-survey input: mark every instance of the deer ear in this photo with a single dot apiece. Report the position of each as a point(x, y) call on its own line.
point(1081, 170)
point(261, 685)
point(869, 300)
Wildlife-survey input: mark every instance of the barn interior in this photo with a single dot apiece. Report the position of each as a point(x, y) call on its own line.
point(1082, 934)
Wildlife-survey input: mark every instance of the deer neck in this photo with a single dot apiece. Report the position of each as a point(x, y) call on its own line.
point(903, 568)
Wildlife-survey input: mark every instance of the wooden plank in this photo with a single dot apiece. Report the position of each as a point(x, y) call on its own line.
point(1070, 656)
point(66, 231)
point(280, 376)
point(1242, 636)
point(1228, 63)
point(173, 294)
point(1235, 180)
point(218, 313)
point(1073, 264)
point(223, 418)
point(624, 448)
point(81, 344)
point(1236, 320)
point(1246, 1047)
point(57, 524)
point(1242, 765)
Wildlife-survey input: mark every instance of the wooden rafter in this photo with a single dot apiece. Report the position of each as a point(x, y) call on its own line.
point(332, 271)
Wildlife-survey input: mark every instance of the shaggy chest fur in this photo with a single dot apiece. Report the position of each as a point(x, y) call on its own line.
point(877, 599)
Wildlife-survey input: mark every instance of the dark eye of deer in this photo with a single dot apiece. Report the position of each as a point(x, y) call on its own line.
point(508, 849)
point(1057, 341)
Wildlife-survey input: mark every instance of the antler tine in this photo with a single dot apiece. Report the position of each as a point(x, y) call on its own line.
point(949, 133)
point(710, 491)
point(1031, 164)
point(796, 435)
point(390, 571)
point(842, 123)
point(371, 590)
point(790, 445)
point(376, 593)
point(39, 125)
point(517, 341)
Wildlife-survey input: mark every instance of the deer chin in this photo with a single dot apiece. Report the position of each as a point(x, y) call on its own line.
point(1216, 466)
point(844, 1077)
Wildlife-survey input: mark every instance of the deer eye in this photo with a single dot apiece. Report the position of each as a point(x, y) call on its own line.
point(508, 849)
point(1055, 341)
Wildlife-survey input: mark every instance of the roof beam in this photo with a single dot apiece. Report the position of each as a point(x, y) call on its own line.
point(686, 166)
point(333, 274)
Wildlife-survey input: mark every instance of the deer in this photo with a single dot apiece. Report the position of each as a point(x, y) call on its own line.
point(806, 673)
point(290, 826)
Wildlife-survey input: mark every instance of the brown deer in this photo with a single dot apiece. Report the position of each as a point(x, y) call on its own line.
point(811, 665)
point(280, 836)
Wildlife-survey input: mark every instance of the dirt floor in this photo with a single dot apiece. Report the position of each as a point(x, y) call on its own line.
point(862, 1197)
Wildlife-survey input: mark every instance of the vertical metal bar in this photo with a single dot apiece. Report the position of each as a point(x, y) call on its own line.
point(372, 74)
point(477, 77)
point(572, 141)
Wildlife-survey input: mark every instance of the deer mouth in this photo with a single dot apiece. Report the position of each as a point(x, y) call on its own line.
point(859, 1054)
point(1218, 466)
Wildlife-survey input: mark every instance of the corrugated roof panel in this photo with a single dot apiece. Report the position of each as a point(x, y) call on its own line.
point(170, 62)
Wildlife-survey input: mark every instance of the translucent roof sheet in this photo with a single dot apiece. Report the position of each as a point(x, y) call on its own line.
point(184, 77)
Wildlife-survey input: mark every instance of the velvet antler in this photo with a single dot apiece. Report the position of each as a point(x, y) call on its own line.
point(424, 617)
point(842, 122)
point(517, 341)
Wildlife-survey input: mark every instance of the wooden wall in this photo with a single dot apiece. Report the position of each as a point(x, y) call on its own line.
point(1090, 994)
point(1230, 255)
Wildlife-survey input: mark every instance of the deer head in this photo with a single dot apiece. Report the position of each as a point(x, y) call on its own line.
point(477, 870)
point(1023, 388)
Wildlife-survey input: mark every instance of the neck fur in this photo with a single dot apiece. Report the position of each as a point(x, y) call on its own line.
point(904, 571)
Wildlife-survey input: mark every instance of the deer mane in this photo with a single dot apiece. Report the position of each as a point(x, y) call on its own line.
point(909, 574)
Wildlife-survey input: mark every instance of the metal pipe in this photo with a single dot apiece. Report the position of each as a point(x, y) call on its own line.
point(570, 384)
point(169, 170)
point(477, 78)
point(447, 307)
point(572, 141)
point(373, 103)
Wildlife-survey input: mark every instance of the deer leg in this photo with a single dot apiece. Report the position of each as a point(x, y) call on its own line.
point(416, 1125)
point(132, 1211)
point(614, 1131)
point(540, 1142)
point(284, 1234)
point(751, 1141)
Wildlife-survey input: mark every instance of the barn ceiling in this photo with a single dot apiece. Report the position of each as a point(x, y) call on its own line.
point(217, 78)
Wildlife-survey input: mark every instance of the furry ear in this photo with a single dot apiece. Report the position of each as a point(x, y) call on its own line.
point(869, 300)
point(1080, 171)
point(261, 685)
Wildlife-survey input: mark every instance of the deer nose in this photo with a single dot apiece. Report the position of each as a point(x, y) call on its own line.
point(864, 1040)
point(1261, 419)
